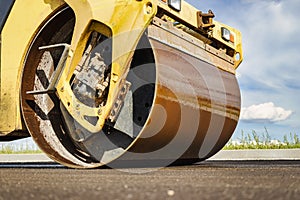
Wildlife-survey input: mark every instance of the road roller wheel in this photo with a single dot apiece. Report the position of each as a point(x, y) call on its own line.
point(175, 105)
point(41, 112)
point(55, 131)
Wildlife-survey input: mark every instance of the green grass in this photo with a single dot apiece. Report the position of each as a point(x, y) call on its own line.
point(251, 140)
point(19, 149)
point(263, 141)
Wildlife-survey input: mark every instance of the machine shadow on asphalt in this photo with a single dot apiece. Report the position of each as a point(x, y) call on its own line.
point(205, 164)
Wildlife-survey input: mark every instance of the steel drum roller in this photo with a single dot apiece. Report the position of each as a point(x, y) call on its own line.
point(179, 106)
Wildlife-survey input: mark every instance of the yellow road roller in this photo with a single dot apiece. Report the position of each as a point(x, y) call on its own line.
point(118, 82)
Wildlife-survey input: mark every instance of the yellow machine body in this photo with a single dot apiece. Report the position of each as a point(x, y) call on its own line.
point(53, 53)
point(16, 35)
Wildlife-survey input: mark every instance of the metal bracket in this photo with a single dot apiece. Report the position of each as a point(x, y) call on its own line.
point(119, 102)
point(60, 66)
point(205, 20)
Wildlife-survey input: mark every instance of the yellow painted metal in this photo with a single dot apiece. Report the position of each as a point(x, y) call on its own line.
point(236, 46)
point(124, 21)
point(188, 14)
point(24, 19)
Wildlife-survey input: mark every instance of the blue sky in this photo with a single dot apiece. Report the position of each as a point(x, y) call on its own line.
point(269, 75)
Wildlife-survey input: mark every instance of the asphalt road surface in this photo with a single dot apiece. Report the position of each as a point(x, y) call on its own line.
point(206, 180)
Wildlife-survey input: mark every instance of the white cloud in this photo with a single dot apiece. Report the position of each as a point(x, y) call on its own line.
point(270, 71)
point(266, 112)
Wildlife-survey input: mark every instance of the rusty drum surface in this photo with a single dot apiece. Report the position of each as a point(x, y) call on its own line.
point(195, 108)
